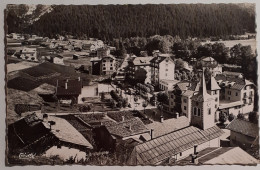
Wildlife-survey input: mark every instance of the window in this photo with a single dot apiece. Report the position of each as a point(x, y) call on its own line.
point(244, 100)
point(250, 101)
point(216, 106)
point(195, 111)
point(216, 99)
point(236, 93)
point(244, 94)
point(111, 68)
point(228, 98)
point(166, 69)
point(172, 96)
point(185, 108)
point(180, 153)
point(185, 100)
point(111, 65)
point(198, 112)
point(104, 64)
point(104, 68)
point(209, 111)
point(166, 65)
point(215, 92)
point(111, 61)
point(251, 93)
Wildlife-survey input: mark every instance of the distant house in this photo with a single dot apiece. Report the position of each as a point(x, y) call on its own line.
point(57, 59)
point(162, 68)
point(88, 47)
point(140, 63)
point(233, 74)
point(236, 95)
point(68, 91)
point(29, 54)
point(211, 64)
point(243, 133)
point(48, 135)
point(167, 85)
point(103, 66)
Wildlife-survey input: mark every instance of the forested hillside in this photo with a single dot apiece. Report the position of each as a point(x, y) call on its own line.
point(113, 21)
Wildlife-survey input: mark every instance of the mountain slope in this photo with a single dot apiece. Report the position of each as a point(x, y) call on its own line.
point(109, 21)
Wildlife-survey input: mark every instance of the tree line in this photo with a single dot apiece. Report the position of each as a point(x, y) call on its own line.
point(109, 21)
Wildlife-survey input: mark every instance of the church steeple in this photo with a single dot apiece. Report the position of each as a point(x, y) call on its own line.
point(203, 88)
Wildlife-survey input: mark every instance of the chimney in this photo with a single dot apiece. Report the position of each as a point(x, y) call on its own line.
point(162, 119)
point(45, 117)
point(78, 78)
point(151, 133)
point(123, 118)
point(195, 149)
point(66, 85)
point(194, 159)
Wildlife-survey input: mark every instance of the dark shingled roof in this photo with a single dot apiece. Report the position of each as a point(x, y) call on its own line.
point(73, 87)
point(244, 127)
point(122, 129)
point(163, 147)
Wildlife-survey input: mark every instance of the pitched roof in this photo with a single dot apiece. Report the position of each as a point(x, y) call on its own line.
point(159, 59)
point(142, 60)
point(203, 94)
point(188, 93)
point(73, 87)
point(161, 148)
point(212, 84)
point(208, 59)
point(231, 73)
point(126, 128)
point(222, 156)
point(29, 129)
point(65, 132)
point(167, 126)
point(244, 127)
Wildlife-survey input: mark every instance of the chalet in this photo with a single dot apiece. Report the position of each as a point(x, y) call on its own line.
point(48, 135)
point(57, 59)
point(68, 91)
point(243, 133)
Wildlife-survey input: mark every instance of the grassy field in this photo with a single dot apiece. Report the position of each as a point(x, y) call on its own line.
point(231, 43)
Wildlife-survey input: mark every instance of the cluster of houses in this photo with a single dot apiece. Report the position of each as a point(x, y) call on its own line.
point(166, 142)
point(187, 138)
point(40, 49)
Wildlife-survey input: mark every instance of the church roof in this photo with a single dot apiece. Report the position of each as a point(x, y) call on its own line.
point(202, 95)
point(212, 84)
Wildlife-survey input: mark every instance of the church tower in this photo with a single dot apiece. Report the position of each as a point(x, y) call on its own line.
point(203, 108)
